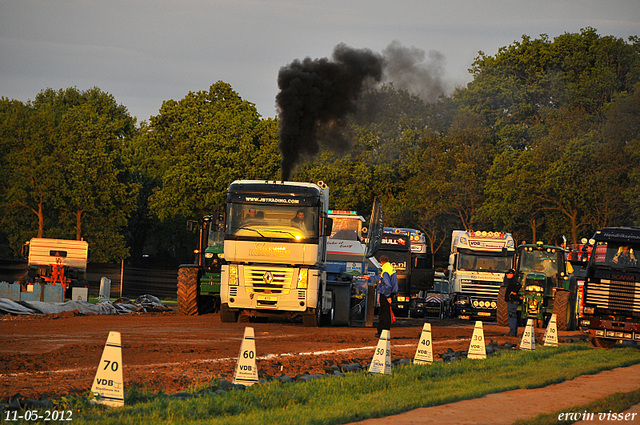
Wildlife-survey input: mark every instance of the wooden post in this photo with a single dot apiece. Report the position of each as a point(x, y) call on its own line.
point(121, 277)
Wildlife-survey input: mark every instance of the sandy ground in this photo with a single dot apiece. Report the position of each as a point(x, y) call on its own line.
point(57, 355)
point(507, 407)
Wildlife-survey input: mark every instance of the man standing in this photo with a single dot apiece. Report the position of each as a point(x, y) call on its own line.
point(511, 297)
point(387, 287)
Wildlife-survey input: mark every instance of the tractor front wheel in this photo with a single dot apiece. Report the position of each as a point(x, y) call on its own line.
point(188, 290)
point(562, 309)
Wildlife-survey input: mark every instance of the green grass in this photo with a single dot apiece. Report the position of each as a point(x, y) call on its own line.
point(357, 396)
point(617, 403)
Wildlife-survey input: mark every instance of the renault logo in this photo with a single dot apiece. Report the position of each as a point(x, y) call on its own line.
point(267, 277)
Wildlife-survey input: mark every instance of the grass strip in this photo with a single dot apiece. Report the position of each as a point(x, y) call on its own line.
point(358, 396)
point(614, 403)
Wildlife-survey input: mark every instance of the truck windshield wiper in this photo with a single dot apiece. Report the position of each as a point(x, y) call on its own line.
point(285, 232)
point(251, 229)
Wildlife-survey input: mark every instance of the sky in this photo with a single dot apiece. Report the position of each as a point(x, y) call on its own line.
point(144, 52)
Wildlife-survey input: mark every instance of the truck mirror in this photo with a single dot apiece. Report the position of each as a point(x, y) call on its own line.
point(328, 226)
point(450, 268)
point(25, 250)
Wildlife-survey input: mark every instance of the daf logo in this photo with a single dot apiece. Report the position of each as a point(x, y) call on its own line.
point(267, 277)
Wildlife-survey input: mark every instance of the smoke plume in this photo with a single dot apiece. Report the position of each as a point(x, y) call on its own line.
point(316, 96)
point(408, 69)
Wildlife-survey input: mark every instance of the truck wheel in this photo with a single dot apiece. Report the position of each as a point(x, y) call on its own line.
point(601, 342)
point(309, 319)
point(188, 290)
point(502, 315)
point(228, 315)
point(562, 309)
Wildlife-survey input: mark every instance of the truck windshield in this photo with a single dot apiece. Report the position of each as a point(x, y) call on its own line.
point(539, 261)
point(483, 263)
point(615, 254)
point(347, 229)
point(398, 259)
point(216, 237)
point(271, 221)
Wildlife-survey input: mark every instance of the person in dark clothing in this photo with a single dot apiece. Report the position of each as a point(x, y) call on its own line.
point(387, 287)
point(511, 297)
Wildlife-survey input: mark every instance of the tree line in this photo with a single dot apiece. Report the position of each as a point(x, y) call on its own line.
point(543, 142)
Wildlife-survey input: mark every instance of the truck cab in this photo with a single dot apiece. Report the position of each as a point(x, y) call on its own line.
point(275, 247)
point(477, 264)
point(611, 303)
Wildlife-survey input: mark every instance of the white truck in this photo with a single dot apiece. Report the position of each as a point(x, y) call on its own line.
point(477, 264)
point(275, 248)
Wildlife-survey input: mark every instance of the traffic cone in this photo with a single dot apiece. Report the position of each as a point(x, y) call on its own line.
point(528, 337)
point(381, 362)
point(424, 352)
point(551, 334)
point(477, 349)
point(108, 385)
point(246, 370)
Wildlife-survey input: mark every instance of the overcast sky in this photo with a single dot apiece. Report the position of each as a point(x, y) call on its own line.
point(144, 52)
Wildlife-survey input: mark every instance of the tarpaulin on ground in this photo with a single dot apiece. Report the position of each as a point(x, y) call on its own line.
point(142, 304)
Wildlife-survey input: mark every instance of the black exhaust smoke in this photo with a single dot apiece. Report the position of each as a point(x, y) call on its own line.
point(315, 98)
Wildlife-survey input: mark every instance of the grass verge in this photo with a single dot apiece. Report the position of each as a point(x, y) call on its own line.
point(357, 396)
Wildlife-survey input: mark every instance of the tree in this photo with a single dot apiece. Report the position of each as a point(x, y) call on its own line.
point(65, 165)
point(197, 146)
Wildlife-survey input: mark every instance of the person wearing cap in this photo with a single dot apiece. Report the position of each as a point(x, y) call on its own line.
point(511, 297)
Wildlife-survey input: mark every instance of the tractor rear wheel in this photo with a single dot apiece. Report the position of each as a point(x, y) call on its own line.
point(502, 315)
point(562, 309)
point(188, 290)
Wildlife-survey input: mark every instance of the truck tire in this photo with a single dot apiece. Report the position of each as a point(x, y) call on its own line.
point(310, 318)
point(602, 342)
point(562, 309)
point(502, 315)
point(228, 315)
point(188, 290)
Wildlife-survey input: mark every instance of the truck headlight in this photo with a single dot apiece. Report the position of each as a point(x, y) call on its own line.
point(401, 299)
point(589, 310)
point(233, 275)
point(303, 278)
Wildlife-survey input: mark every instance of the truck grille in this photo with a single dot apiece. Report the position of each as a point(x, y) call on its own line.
point(615, 295)
point(482, 288)
point(268, 280)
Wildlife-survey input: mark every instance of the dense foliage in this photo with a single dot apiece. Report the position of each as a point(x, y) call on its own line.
point(544, 142)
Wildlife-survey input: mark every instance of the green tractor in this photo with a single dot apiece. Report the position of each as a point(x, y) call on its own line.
point(546, 287)
point(199, 283)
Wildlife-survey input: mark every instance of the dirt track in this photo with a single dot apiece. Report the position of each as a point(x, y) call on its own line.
point(58, 355)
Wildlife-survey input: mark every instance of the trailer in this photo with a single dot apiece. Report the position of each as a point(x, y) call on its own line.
point(54, 262)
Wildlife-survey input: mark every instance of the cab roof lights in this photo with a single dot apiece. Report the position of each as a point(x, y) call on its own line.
point(344, 212)
point(485, 234)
